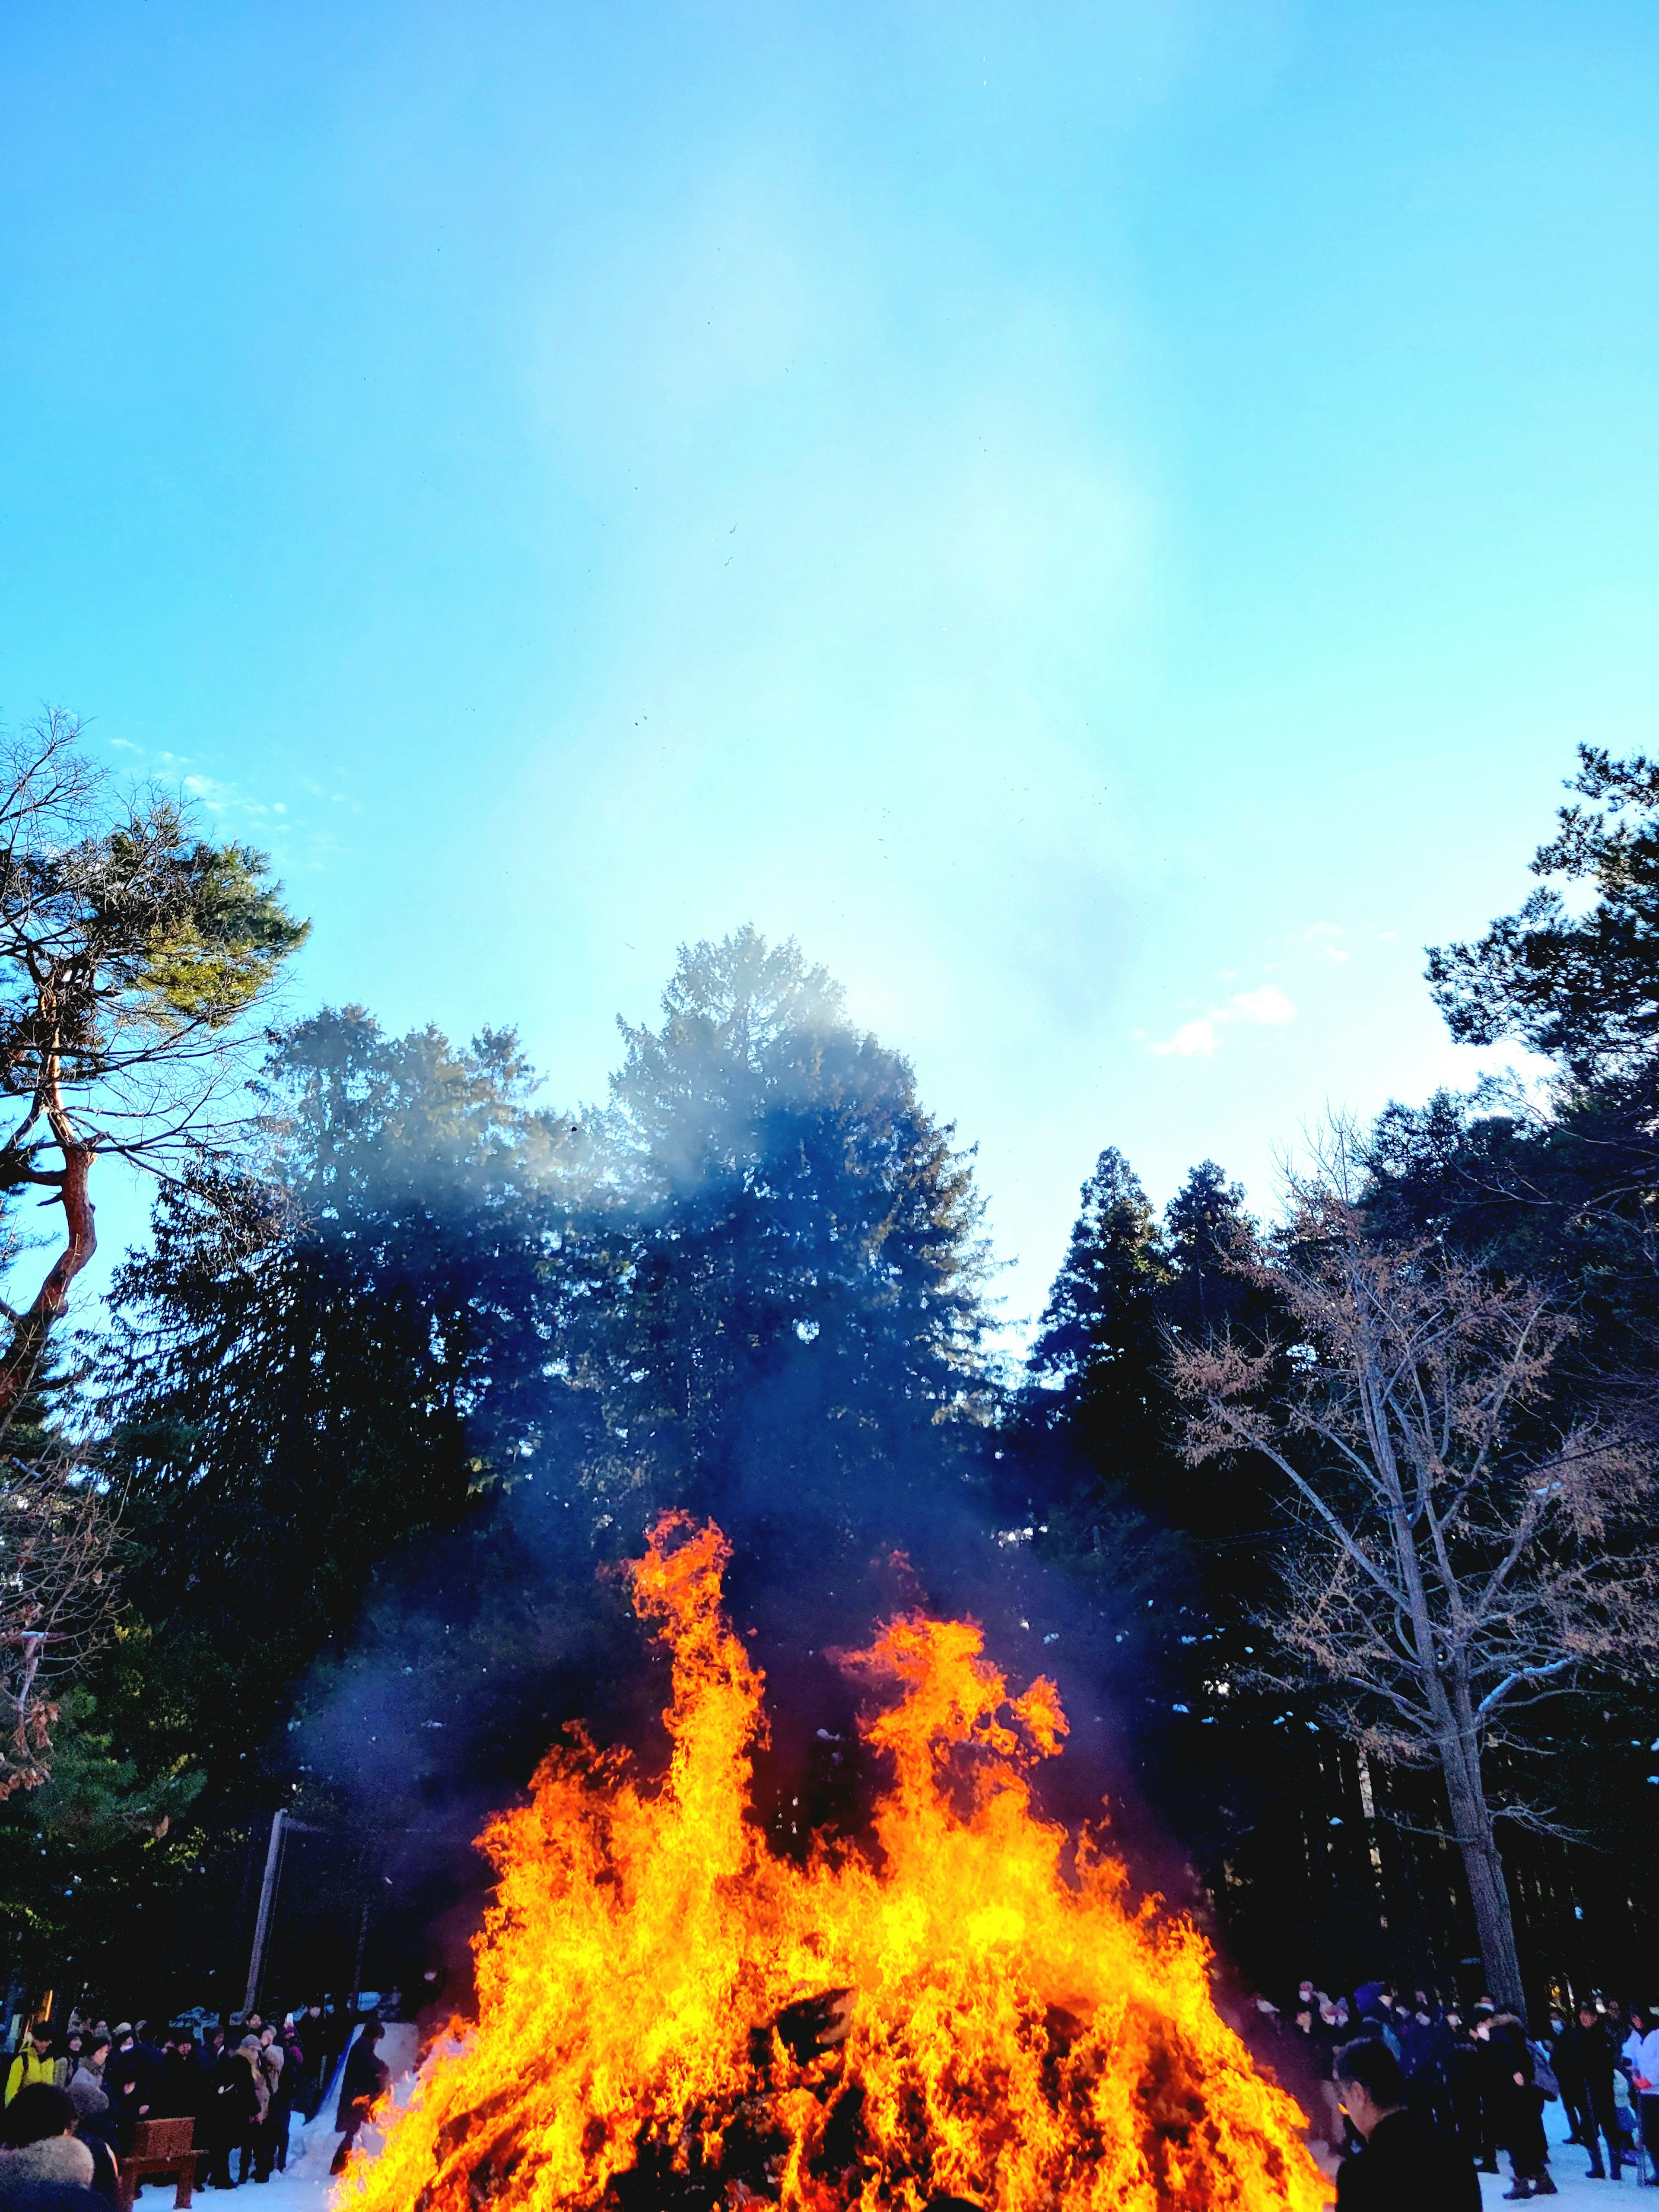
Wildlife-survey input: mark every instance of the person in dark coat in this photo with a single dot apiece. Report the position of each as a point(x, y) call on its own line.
point(286, 2091)
point(1308, 2058)
point(130, 2082)
point(232, 2110)
point(333, 2038)
point(1585, 2054)
point(365, 2081)
point(312, 2080)
point(1561, 2045)
point(178, 2092)
point(1426, 2042)
point(1404, 2163)
point(43, 2168)
point(1517, 2106)
point(1463, 2087)
point(1376, 2016)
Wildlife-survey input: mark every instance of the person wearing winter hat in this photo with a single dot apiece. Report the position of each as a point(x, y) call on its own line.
point(43, 2168)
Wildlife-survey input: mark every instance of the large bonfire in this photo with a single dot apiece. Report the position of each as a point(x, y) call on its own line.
point(673, 2019)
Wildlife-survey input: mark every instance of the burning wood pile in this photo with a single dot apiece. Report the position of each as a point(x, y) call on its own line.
point(971, 2009)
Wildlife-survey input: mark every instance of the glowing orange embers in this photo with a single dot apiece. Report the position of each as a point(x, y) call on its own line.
point(672, 2020)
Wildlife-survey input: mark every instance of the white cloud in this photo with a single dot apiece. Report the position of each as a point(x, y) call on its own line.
point(1321, 938)
point(1267, 1004)
point(1267, 1007)
point(1190, 1037)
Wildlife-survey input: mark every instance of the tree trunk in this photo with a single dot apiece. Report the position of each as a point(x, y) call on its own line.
point(22, 1360)
point(1489, 1892)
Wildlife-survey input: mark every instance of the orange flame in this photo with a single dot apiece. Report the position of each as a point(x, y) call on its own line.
point(670, 2016)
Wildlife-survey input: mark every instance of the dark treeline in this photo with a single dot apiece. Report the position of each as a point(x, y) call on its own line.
point(408, 1367)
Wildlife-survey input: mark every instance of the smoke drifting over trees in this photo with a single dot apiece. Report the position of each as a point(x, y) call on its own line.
point(414, 1356)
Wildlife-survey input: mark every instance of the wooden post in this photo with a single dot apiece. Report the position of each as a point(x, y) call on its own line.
point(267, 1897)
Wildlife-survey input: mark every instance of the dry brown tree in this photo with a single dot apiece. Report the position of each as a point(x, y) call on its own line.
point(1455, 1552)
point(57, 1529)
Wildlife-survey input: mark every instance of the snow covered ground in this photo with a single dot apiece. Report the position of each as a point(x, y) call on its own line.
point(305, 2186)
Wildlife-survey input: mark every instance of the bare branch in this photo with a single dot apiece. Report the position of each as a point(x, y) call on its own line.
point(1407, 1418)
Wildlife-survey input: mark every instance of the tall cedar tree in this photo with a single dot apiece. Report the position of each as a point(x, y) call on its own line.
point(1097, 1357)
point(333, 1351)
point(795, 1340)
point(1097, 1404)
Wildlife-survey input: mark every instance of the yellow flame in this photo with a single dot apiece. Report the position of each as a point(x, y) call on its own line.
point(972, 2018)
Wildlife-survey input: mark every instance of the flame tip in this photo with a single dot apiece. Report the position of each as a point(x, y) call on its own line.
point(966, 2013)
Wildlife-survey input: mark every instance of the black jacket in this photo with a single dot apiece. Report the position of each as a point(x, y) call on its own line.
point(130, 2082)
point(233, 2103)
point(1586, 2055)
point(365, 2081)
point(180, 2091)
point(1407, 2167)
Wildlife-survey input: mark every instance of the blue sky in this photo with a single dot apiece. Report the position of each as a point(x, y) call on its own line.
point(1106, 523)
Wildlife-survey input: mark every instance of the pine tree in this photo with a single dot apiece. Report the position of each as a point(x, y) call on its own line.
point(334, 1351)
point(795, 1340)
point(1098, 1359)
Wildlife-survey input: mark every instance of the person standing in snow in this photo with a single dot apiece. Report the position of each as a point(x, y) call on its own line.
point(1644, 2080)
point(365, 2081)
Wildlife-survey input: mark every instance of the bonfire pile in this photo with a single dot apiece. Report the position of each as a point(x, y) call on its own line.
point(970, 2010)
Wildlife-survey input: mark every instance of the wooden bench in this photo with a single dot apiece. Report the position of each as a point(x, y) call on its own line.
point(159, 2148)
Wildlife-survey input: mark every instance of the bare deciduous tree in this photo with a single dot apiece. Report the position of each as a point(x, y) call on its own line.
point(132, 954)
point(1455, 1554)
point(57, 1597)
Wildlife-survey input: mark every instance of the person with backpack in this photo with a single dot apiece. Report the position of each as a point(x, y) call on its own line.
point(35, 2061)
point(1515, 2099)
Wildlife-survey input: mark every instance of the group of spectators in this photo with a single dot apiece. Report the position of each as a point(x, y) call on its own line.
point(72, 2102)
point(1475, 2082)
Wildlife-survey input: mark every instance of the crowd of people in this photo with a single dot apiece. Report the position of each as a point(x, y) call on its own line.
point(1415, 2098)
point(1474, 2083)
point(73, 2100)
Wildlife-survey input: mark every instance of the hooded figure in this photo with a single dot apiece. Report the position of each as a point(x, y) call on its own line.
point(42, 2167)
